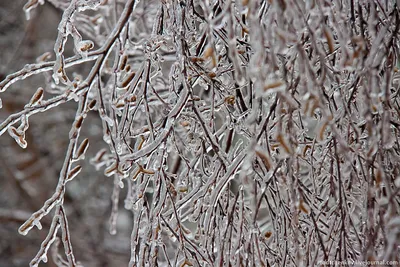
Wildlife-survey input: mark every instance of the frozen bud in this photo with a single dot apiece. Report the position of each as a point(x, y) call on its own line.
point(272, 85)
point(18, 136)
point(74, 172)
point(183, 188)
point(77, 125)
point(92, 104)
point(197, 59)
point(268, 234)
point(112, 169)
point(37, 96)
point(284, 144)
point(329, 39)
point(265, 159)
point(99, 156)
point(85, 46)
point(124, 60)
point(128, 79)
point(44, 57)
point(212, 75)
point(185, 123)
point(230, 100)
point(82, 149)
point(78, 122)
point(130, 98)
point(209, 53)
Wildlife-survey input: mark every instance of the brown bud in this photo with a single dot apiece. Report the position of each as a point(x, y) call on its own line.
point(82, 148)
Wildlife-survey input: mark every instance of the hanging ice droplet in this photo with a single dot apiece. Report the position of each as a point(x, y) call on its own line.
point(74, 96)
point(107, 138)
point(113, 231)
point(118, 147)
point(108, 120)
point(37, 224)
point(156, 164)
point(128, 203)
point(397, 182)
point(44, 258)
point(136, 205)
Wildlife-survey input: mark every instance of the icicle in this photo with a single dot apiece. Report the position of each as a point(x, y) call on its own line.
point(37, 224)
point(114, 209)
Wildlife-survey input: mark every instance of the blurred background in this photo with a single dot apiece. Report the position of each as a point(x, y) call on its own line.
point(28, 177)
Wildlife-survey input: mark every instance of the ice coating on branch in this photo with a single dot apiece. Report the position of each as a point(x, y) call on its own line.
point(66, 27)
point(83, 5)
point(242, 132)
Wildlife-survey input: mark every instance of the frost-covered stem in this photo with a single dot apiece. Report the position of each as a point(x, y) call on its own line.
point(247, 132)
point(50, 238)
point(66, 237)
point(58, 196)
point(37, 68)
